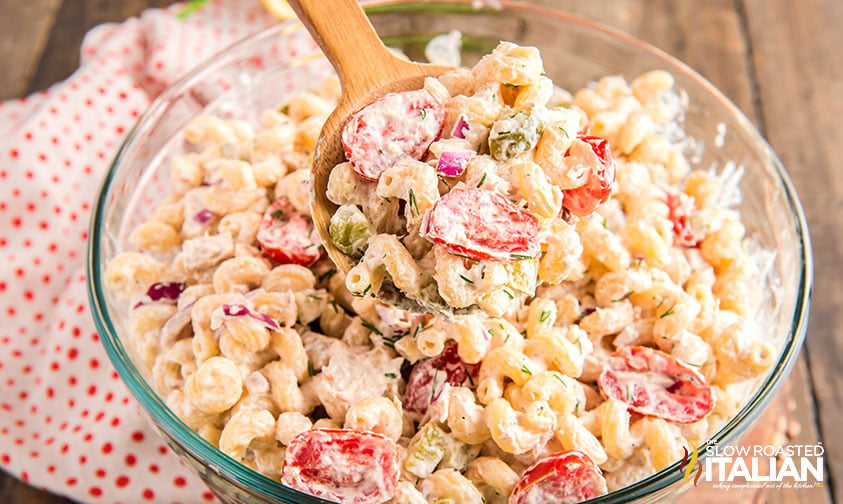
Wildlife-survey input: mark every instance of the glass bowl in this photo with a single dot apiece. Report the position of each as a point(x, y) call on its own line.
point(258, 72)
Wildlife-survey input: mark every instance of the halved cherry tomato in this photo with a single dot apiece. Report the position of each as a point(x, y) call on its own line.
point(288, 236)
point(428, 376)
point(680, 207)
point(398, 125)
point(561, 478)
point(342, 465)
point(482, 225)
point(591, 154)
point(653, 383)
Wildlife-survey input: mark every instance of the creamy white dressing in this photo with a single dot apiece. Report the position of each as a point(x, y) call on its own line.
point(577, 166)
point(205, 251)
point(645, 378)
point(353, 374)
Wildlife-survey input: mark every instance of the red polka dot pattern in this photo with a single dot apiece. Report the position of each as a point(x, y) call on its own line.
point(66, 423)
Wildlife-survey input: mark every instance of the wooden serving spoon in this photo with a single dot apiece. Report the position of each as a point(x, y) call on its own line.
point(367, 71)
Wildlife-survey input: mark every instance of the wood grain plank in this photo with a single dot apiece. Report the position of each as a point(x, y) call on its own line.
point(705, 35)
point(793, 414)
point(13, 491)
point(74, 19)
point(25, 27)
point(708, 37)
point(798, 59)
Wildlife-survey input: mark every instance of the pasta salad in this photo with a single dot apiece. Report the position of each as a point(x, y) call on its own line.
point(616, 293)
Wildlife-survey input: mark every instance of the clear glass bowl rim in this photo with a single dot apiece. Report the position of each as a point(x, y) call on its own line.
point(229, 469)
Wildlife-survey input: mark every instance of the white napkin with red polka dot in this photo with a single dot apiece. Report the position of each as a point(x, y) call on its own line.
point(67, 423)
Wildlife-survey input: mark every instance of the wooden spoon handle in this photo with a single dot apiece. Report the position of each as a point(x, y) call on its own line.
point(350, 43)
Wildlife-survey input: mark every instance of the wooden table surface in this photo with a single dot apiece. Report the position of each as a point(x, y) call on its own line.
point(780, 61)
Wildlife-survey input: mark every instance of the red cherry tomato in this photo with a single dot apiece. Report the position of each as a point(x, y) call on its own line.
point(288, 236)
point(398, 125)
point(655, 384)
point(680, 208)
point(593, 155)
point(482, 225)
point(428, 376)
point(561, 478)
point(342, 465)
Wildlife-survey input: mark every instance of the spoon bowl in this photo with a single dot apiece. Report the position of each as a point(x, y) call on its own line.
point(367, 70)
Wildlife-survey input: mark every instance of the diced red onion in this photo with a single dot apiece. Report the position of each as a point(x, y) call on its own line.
point(460, 127)
point(234, 310)
point(166, 291)
point(453, 163)
point(238, 310)
point(203, 216)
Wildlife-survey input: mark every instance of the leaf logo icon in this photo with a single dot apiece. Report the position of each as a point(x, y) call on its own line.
point(688, 462)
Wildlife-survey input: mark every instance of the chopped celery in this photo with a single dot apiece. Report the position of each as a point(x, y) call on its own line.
point(515, 133)
point(426, 450)
point(458, 454)
point(430, 298)
point(350, 230)
point(432, 448)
